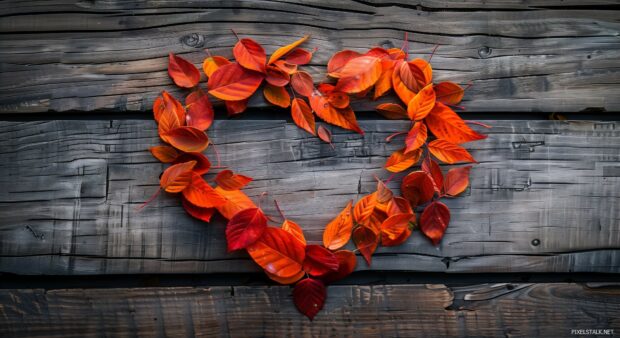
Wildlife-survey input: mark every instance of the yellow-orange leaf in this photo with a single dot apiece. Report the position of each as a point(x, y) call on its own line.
point(277, 95)
point(400, 161)
point(448, 152)
point(228, 180)
point(177, 177)
point(302, 115)
point(280, 52)
point(294, 229)
point(359, 74)
point(338, 232)
point(201, 194)
point(447, 125)
point(421, 104)
point(364, 208)
point(278, 252)
point(236, 200)
point(211, 64)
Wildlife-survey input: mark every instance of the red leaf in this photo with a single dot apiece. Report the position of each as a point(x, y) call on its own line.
point(236, 107)
point(359, 74)
point(299, 56)
point(280, 52)
point(164, 154)
point(202, 162)
point(228, 180)
point(183, 73)
point(277, 96)
point(338, 61)
point(250, 55)
point(199, 110)
point(277, 77)
point(449, 93)
point(319, 261)
point(399, 160)
point(177, 177)
point(431, 167)
point(302, 115)
point(278, 252)
point(398, 205)
point(346, 264)
point(188, 139)
point(416, 137)
point(448, 152)
point(457, 180)
point(203, 214)
point(447, 125)
point(434, 221)
point(201, 194)
point(417, 188)
point(245, 228)
point(302, 83)
point(288, 68)
point(338, 232)
point(325, 135)
point(211, 64)
point(309, 296)
point(232, 82)
point(392, 111)
point(421, 104)
point(366, 241)
point(294, 229)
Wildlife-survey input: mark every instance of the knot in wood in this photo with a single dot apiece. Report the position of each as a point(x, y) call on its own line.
point(194, 40)
point(485, 51)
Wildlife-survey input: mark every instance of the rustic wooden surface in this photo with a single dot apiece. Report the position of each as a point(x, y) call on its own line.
point(501, 310)
point(544, 197)
point(535, 56)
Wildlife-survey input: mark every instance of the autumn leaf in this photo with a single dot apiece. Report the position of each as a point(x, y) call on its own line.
point(434, 221)
point(416, 137)
point(245, 228)
point(449, 93)
point(359, 74)
point(277, 77)
point(364, 208)
point(344, 118)
point(177, 177)
point(236, 107)
point(250, 55)
point(431, 167)
point(417, 187)
point(302, 83)
point(302, 115)
point(199, 110)
point(398, 205)
point(299, 57)
point(383, 193)
point(211, 64)
point(338, 232)
point(203, 214)
point(236, 200)
point(416, 74)
point(277, 96)
point(392, 111)
point(201, 194)
point(384, 83)
point(396, 229)
point(295, 230)
point(457, 180)
point(228, 180)
point(309, 296)
point(346, 265)
point(167, 103)
point(325, 135)
point(338, 99)
point(403, 92)
point(278, 252)
point(447, 125)
point(188, 139)
point(286, 280)
point(399, 160)
point(319, 261)
point(288, 68)
point(421, 104)
point(448, 152)
point(164, 154)
point(339, 60)
point(232, 82)
point(172, 116)
point(202, 162)
point(280, 52)
point(366, 241)
point(183, 73)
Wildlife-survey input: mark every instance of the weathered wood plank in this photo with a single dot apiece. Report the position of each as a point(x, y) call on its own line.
point(544, 197)
point(520, 55)
point(506, 310)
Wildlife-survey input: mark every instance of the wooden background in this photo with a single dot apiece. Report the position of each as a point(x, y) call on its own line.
point(78, 79)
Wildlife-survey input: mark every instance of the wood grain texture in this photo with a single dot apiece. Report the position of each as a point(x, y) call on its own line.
point(535, 56)
point(544, 198)
point(501, 310)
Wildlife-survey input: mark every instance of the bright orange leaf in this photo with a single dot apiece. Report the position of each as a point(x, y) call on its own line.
point(183, 73)
point(359, 74)
point(400, 161)
point(449, 93)
point(228, 180)
point(280, 52)
point(421, 104)
point(277, 95)
point(448, 152)
point(401, 89)
point(278, 252)
point(344, 118)
point(288, 68)
point(201, 194)
point(211, 64)
point(188, 139)
point(457, 180)
point(236, 200)
point(366, 241)
point(396, 229)
point(447, 125)
point(339, 60)
point(203, 214)
point(250, 55)
point(287, 280)
point(294, 229)
point(232, 82)
point(177, 177)
point(338, 232)
point(236, 107)
point(302, 115)
point(416, 137)
point(364, 208)
point(202, 162)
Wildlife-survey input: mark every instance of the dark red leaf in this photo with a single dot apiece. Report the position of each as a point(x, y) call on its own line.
point(309, 296)
point(319, 261)
point(245, 228)
point(434, 221)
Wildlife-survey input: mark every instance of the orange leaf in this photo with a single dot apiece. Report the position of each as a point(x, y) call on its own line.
point(359, 74)
point(232, 82)
point(211, 64)
point(277, 96)
point(338, 232)
point(396, 229)
point(167, 103)
point(309, 296)
point(384, 83)
point(400, 161)
point(302, 83)
point(201, 194)
point(319, 261)
point(456, 180)
point(399, 205)
point(295, 230)
point(421, 104)
point(364, 208)
point(171, 116)
point(302, 115)
point(276, 76)
point(401, 89)
point(392, 111)
point(280, 52)
point(366, 241)
point(338, 99)
point(203, 214)
point(164, 153)
point(383, 193)
point(299, 57)
point(416, 137)
point(177, 177)
point(447, 125)
point(245, 228)
point(431, 167)
point(346, 264)
point(325, 135)
point(202, 162)
point(188, 139)
point(183, 73)
point(449, 93)
point(236, 107)
point(448, 152)
point(339, 60)
point(396, 54)
point(228, 180)
point(344, 118)
point(250, 55)
point(236, 200)
point(287, 280)
point(278, 252)
point(288, 68)
point(199, 110)
point(416, 74)
point(434, 221)
point(417, 188)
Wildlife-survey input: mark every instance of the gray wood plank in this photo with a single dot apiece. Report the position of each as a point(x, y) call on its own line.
point(501, 310)
point(544, 197)
point(520, 55)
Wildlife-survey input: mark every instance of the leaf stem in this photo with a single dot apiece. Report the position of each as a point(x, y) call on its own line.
point(151, 199)
point(389, 138)
point(237, 36)
point(478, 123)
point(279, 210)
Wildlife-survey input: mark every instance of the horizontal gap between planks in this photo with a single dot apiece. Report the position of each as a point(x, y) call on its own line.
point(10, 281)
